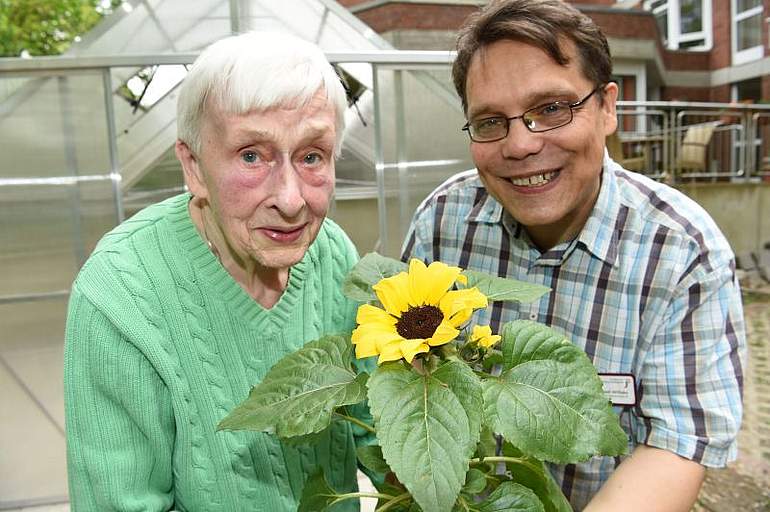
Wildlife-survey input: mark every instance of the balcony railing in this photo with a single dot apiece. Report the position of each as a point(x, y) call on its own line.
point(681, 142)
point(69, 138)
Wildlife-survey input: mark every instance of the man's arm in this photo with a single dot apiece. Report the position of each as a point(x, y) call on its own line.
point(650, 479)
point(691, 403)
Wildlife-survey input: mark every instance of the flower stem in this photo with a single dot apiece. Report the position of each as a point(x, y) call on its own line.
point(356, 421)
point(393, 501)
point(516, 460)
point(376, 495)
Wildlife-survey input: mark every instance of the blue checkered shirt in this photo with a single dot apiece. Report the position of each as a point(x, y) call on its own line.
point(647, 288)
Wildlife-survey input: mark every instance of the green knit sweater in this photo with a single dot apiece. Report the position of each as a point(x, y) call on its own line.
point(162, 343)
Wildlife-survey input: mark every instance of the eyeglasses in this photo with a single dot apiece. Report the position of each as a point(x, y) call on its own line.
point(538, 119)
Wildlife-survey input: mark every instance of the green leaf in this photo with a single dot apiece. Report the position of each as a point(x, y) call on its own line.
point(317, 495)
point(510, 497)
point(549, 401)
point(428, 427)
point(487, 445)
point(299, 394)
point(305, 440)
point(499, 288)
point(475, 481)
point(367, 272)
point(371, 458)
point(534, 475)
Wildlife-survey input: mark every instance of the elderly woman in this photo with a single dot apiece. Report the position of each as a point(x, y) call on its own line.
point(185, 306)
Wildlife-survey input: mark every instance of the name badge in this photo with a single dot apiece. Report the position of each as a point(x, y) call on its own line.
point(620, 388)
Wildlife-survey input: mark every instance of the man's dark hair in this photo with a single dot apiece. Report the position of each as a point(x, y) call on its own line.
point(540, 23)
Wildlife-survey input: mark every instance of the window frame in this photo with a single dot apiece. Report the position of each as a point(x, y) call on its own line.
point(674, 36)
point(754, 52)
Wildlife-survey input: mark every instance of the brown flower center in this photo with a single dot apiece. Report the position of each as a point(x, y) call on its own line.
point(419, 322)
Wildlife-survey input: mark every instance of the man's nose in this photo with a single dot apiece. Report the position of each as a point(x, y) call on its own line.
point(520, 142)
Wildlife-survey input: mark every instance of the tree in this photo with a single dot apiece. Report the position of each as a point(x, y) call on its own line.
point(47, 27)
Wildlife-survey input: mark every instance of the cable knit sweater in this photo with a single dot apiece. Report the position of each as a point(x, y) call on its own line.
point(162, 343)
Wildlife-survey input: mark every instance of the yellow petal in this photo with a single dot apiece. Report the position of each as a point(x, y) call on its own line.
point(440, 278)
point(480, 331)
point(444, 334)
point(462, 279)
point(410, 348)
point(482, 335)
point(390, 352)
point(418, 276)
point(366, 349)
point(371, 314)
point(490, 340)
point(458, 305)
point(460, 317)
point(394, 293)
point(373, 330)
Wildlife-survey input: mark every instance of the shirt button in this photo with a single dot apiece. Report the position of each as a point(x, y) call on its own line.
point(533, 316)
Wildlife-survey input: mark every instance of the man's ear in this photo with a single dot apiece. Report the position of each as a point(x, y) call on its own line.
point(609, 112)
point(193, 174)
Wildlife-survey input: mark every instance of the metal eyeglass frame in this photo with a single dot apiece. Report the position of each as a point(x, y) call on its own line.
point(467, 126)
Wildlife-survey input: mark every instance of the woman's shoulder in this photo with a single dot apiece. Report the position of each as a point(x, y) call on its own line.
point(130, 251)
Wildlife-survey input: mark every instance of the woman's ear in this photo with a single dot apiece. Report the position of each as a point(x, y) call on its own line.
point(193, 174)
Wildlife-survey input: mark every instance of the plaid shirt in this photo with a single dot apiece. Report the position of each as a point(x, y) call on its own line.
point(648, 288)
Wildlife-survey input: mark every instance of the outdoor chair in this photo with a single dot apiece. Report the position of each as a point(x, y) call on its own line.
point(693, 150)
point(615, 149)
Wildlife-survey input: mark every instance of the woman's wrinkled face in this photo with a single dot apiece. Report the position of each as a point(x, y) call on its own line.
point(268, 177)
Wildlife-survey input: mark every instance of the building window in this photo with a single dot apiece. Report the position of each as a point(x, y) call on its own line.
point(683, 24)
point(747, 30)
point(748, 91)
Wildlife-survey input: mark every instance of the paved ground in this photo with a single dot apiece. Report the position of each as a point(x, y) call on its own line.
point(745, 485)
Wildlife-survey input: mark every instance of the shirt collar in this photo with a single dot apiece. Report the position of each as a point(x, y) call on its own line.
point(598, 236)
point(486, 209)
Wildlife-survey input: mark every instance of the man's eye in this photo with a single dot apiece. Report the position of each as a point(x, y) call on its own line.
point(488, 124)
point(250, 157)
point(550, 109)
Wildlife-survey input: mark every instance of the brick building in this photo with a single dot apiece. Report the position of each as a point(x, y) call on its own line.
point(688, 50)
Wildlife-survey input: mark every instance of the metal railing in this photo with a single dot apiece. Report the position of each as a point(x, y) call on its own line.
point(676, 142)
point(683, 142)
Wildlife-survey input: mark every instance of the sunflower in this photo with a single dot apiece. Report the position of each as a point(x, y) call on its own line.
point(483, 337)
point(420, 311)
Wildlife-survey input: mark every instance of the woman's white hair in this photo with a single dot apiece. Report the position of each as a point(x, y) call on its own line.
point(256, 71)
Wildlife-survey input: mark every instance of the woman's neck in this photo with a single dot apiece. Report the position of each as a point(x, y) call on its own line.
point(265, 285)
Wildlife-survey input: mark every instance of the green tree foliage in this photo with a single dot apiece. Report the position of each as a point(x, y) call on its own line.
point(47, 27)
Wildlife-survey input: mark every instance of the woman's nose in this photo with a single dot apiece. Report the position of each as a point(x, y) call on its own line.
point(286, 189)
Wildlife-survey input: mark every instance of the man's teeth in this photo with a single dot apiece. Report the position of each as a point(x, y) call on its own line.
point(534, 181)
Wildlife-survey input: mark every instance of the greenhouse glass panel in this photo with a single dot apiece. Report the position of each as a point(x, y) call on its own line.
point(421, 143)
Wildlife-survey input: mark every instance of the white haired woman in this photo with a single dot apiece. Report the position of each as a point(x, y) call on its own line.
point(185, 306)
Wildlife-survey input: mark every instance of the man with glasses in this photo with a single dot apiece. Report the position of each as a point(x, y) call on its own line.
point(641, 277)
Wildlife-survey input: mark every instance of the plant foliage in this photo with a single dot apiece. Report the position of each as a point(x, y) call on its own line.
point(435, 419)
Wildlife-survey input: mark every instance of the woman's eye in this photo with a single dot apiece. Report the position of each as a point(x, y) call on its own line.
point(312, 159)
point(250, 157)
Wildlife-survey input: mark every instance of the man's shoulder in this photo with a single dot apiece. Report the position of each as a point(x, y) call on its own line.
point(657, 208)
point(459, 189)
